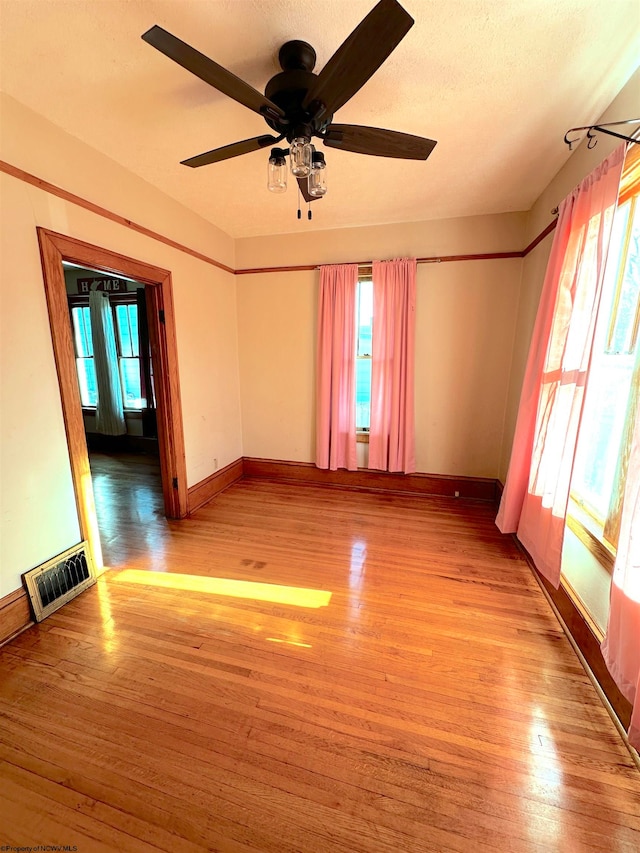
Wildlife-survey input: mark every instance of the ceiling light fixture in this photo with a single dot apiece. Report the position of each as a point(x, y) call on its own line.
point(318, 175)
point(300, 154)
point(308, 166)
point(277, 171)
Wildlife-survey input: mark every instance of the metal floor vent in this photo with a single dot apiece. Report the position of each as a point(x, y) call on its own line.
point(59, 580)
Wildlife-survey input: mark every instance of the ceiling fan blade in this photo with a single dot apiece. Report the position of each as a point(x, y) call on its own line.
point(303, 183)
point(209, 71)
point(378, 142)
point(364, 51)
point(228, 151)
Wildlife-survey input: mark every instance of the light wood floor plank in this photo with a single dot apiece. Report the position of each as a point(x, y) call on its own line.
point(433, 705)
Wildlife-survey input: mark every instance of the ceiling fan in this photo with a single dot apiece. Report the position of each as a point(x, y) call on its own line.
point(299, 105)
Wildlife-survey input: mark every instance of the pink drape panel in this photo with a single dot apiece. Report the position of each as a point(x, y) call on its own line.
point(392, 430)
point(621, 646)
point(536, 494)
point(336, 372)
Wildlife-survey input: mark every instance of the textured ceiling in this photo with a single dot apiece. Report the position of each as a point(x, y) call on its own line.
point(496, 82)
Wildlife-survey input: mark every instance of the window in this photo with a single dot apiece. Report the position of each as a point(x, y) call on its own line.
point(612, 394)
point(364, 323)
point(126, 325)
point(84, 355)
point(125, 320)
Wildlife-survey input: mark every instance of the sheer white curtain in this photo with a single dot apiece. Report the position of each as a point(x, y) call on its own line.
point(109, 408)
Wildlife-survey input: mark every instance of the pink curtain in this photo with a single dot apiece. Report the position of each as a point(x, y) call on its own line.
point(392, 430)
point(336, 372)
point(536, 494)
point(621, 646)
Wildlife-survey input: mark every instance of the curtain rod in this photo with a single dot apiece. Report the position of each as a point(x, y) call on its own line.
point(602, 128)
point(593, 140)
point(446, 258)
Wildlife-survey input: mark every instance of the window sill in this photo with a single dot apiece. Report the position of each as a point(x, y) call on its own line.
point(592, 541)
point(362, 437)
point(134, 414)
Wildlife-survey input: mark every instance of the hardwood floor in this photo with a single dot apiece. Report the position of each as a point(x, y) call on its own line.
point(129, 503)
point(299, 669)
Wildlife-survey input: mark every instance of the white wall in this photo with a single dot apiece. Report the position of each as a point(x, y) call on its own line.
point(38, 517)
point(465, 320)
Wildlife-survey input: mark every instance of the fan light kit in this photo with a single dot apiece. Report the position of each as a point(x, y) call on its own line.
point(299, 105)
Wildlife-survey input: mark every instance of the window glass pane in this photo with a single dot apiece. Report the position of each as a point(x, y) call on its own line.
point(130, 376)
point(87, 381)
point(124, 331)
point(609, 383)
point(599, 443)
point(81, 332)
point(86, 323)
point(364, 325)
point(627, 298)
point(133, 325)
point(364, 317)
point(363, 393)
point(76, 317)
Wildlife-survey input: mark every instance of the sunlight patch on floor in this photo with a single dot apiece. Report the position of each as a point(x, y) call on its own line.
point(298, 596)
point(289, 642)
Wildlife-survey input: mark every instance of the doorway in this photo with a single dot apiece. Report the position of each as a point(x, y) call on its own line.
point(54, 250)
point(109, 324)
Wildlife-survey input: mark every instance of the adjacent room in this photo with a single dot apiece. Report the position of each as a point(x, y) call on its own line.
point(320, 426)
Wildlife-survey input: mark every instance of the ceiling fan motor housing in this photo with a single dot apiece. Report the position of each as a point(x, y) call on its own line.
point(288, 90)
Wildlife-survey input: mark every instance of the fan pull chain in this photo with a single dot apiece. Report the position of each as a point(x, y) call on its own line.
point(299, 211)
point(309, 212)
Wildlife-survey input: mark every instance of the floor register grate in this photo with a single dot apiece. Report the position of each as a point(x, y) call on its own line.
point(60, 579)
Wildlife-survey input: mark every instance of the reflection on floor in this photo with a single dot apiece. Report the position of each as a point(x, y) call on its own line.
point(128, 495)
point(310, 670)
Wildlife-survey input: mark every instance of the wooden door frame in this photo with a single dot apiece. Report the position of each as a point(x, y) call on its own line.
point(54, 249)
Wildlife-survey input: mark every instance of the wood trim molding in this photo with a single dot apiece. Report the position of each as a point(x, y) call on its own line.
point(15, 615)
point(51, 257)
point(584, 638)
point(54, 249)
point(380, 481)
point(164, 356)
point(207, 489)
point(260, 270)
point(550, 227)
point(59, 192)
point(490, 256)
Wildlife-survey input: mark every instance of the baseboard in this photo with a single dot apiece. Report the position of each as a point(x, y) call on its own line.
point(499, 491)
point(479, 488)
point(15, 614)
point(206, 490)
point(586, 641)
